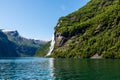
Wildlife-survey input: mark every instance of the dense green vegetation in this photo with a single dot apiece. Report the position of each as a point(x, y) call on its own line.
point(93, 29)
point(42, 51)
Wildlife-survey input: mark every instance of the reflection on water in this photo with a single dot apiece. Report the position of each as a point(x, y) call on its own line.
point(26, 69)
point(87, 69)
point(59, 69)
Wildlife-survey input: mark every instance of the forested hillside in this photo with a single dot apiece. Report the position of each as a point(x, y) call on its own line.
point(93, 29)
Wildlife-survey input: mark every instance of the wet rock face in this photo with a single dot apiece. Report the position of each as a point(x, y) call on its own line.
point(59, 39)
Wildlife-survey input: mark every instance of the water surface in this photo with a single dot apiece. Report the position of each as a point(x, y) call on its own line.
point(59, 69)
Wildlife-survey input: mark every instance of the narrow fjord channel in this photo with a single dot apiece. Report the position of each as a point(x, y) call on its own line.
point(59, 69)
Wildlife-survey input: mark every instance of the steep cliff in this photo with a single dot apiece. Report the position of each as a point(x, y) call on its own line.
point(92, 30)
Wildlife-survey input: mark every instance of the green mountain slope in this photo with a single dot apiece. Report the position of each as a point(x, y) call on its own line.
point(93, 29)
point(42, 51)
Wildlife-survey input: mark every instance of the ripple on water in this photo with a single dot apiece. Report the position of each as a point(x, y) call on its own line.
point(25, 69)
point(59, 69)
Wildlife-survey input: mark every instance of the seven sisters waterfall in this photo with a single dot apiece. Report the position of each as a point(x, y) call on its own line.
point(51, 46)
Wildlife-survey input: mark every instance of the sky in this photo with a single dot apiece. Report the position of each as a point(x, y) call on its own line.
point(35, 19)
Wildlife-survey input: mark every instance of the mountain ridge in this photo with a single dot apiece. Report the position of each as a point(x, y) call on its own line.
point(25, 47)
point(21, 46)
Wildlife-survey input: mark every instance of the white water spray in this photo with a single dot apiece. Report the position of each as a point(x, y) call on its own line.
point(51, 46)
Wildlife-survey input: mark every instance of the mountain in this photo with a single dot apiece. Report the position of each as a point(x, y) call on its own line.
point(42, 51)
point(6, 47)
point(93, 30)
point(24, 47)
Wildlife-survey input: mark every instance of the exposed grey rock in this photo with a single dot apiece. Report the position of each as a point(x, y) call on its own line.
point(59, 39)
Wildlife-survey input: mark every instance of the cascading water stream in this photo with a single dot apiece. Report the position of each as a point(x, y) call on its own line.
point(51, 46)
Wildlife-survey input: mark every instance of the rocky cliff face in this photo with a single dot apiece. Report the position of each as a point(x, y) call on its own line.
point(92, 30)
point(60, 40)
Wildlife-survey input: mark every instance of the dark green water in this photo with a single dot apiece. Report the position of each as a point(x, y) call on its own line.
point(87, 69)
point(59, 69)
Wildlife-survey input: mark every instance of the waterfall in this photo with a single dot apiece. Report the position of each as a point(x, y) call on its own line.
point(51, 46)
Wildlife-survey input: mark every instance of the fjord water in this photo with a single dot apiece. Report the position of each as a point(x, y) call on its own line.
point(59, 69)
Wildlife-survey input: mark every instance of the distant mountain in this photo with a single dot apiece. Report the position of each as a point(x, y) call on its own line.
point(23, 47)
point(93, 30)
point(6, 47)
point(16, 38)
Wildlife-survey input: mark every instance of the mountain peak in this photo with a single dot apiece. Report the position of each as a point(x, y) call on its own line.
point(11, 32)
